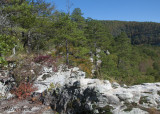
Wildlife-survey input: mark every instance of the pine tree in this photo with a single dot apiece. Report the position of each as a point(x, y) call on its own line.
point(69, 36)
point(97, 38)
point(77, 17)
point(25, 15)
point(123, 50)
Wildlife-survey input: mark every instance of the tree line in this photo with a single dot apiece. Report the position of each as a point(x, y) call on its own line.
point(139, 32)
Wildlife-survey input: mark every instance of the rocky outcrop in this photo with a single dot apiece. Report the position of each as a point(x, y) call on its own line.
point(73, 93)
point(68, 91)
point(6, 83)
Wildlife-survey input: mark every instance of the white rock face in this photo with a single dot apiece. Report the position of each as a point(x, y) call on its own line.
point(59, 78)
point(2, 89)
point(145, 95)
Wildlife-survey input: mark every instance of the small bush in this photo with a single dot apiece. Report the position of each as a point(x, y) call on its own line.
point(49, 60)
point(26, 69)
point(24, 90)
point(42, 58)
point(52, 86)
point(84, 64)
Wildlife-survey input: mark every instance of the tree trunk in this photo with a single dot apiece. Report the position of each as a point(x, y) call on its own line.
point(95, 55)
point(67, 53)
point(29, 42)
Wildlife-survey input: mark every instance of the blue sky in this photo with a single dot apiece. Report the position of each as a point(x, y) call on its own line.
point(124, 10)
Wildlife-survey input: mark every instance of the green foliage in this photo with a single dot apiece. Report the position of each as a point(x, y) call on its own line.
point(52, 86)
point(97, 35)
point(84, 64)
point(139, 32)
point(109, 64)
point(97, 39)
point(7, 43)
point(77, 17)
point(131, 64)
point(69, 37)
point(20, 12)
point(67, 30)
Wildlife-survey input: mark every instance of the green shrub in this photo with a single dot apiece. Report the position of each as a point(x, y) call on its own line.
point(7, 43)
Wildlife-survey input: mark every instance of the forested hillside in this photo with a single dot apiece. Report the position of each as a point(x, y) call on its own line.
point(35, 29)
point(139, 32)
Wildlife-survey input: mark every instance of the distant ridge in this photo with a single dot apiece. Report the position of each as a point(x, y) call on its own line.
point(139, 32)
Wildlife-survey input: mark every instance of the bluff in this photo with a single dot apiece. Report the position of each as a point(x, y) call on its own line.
point(67, 91)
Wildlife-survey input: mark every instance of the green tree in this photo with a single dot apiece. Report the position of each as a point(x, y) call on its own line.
point(68, 36)
point(7, 43)
point(30, 16)
point(123, 50)
point(42, 8)
point(77, 17)
point(20, 13)
point(97, 38)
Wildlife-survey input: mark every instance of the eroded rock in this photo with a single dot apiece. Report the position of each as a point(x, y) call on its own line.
point(94, 95)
